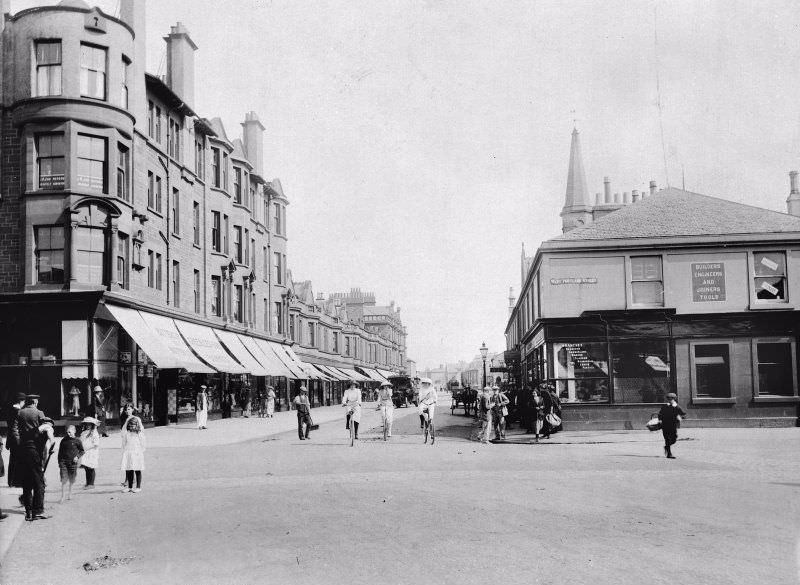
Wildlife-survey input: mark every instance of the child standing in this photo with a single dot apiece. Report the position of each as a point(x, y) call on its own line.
point(69, 452)
point(133, 446)
point(90, 439)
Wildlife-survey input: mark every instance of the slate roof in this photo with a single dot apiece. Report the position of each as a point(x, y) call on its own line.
point(219, 129)
point(673, 212)
point(238, 150)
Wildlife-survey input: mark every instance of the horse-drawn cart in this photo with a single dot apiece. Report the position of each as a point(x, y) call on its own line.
point(466, 397)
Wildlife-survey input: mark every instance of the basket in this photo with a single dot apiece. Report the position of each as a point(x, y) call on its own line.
point(653, 424)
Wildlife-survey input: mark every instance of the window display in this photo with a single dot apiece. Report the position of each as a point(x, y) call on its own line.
point(775, 368)
point(581, 371)
point(641, 370)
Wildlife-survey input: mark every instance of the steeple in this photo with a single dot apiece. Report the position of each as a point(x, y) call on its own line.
point(577, 209)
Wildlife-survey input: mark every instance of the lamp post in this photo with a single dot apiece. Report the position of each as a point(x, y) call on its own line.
point(484, 350)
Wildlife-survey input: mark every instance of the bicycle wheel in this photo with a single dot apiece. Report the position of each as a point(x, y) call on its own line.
point(352, 432)
point(385, 427)
point(427, 427)
point(433, 433)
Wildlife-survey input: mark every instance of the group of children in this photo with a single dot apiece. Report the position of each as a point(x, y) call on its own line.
point(84, 451)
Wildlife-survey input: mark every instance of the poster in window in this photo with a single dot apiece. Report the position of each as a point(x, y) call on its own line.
point(708, 282)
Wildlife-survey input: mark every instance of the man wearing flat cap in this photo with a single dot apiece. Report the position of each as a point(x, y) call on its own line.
point(26, 434)
point(303, 406)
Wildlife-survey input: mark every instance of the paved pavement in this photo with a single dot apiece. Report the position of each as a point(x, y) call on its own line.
point(272, 509)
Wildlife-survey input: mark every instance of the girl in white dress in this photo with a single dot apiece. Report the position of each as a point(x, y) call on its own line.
point(133, 446)
point(352, 400)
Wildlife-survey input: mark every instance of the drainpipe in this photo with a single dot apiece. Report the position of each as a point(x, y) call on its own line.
point(169, 227)
point(269, 260)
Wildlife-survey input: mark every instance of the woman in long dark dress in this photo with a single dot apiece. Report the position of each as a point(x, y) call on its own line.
point(668, 415)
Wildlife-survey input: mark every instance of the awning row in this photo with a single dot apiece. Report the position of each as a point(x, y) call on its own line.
point(173, 343)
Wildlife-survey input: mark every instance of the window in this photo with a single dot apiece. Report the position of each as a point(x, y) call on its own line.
point(774, 365)
point(174, 139)
point(196, 283)
point(347, 346)
point(199, 157)
point(150, 118)
point(158, 271)
point(151, 190)
point(216, 296)
point(50, 160)
point(266, 314)
point(266, 212)
point(49, 253)
point(158, 194)
point(158, 124)
point(292, 319)
point(176, 283)
point(91, 162)
point(266, 263)
point(769, 269)
point(711, 370)
point(237, 303)
point(237, 185)
point(246, 244)
point(226, 229)
point(647, 286)
point(215, 167)
point(278, 269)
point(151, 269)
point(196, 222)
point(123, 171)
point(215, 231)
point(641, 370)
point(335, 342)
point(176, 211)
point(48, 68)
point(283, 268)
point(279, 316)
point(123, 98)
point(225, 170)
point(93, 72)
point(251, 202)
point(90, 256)
point(312, 337)
point(123, 279)
point(581, 371)
point(237, 243)
point(251, 309)
point(252, 253)
point(278, 229)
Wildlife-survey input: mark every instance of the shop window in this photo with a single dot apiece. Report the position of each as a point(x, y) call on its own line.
point(176, 283)
point(215, 163)
point(123, 89)
point(237, 185)
point(641, 370)
point(93, 72)
point(123, 279)
point(91, 162)
point(769, 270)
point(90, 254)
point(50, 160)
point(237, 303)
point(215, 231)
point(49, 253)
point(196, 223)
point(196, 291)
point(647, 285)
point(711, 370)
point(216, 296)
point(123, 172)
point(48, 68)
point(581, 371)
point(237, 243)
point(774, 365)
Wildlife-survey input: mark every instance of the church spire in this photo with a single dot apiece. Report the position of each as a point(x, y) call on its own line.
point(577, 209)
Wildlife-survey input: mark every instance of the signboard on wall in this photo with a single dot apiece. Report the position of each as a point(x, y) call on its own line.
point(708, 282)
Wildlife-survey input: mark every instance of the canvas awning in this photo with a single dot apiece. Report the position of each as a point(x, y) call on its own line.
point(234, 345)
point(203, 341)
point(331, 372)
point(167, 334)
point(353, 375)
point(277, 350)
point(385, 374)
point(266, 356)
point(310, 371)
point(373, 375)
point(326, 374)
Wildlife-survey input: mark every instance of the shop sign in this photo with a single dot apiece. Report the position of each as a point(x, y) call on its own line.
point(538, 339)
point(140, 371)
point(499, 369)
point(583, 280)
point(124, 357)
point(708, 282)
point(149, 370)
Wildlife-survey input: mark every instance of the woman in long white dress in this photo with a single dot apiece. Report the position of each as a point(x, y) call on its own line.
point(270, 401)
point(351, 399)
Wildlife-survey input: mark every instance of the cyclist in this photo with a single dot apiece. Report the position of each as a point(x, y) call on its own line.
point(386, 406)
point(352, 400)
point(427, 400)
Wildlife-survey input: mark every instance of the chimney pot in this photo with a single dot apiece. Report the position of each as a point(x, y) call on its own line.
point(617, 198)
point(598, 199)
point(607, 189)
point(652, 187)
point(793, 201)
point(635, 196)
point(793, 182)
point(626, 197)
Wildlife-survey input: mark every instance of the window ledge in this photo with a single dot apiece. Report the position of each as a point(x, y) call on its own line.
point(154, 212)
point(174, 235)
point(769, 306)
point(220, 190)
point(767, 399)
point(696, 400)
point(197, 246)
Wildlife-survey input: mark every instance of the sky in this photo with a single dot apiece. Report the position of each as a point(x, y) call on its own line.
point(421, 143)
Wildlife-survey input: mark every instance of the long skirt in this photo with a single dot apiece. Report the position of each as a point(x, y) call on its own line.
point(270, 406)
point(202, 418)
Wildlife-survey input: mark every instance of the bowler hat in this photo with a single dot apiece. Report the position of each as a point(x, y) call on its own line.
point(203, 386)
point(19, 396)
point(91, 420)
point(31, 396)
point(672, 396)
point(303, 389)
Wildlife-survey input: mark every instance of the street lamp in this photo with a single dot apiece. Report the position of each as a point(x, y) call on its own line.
point(484, 350)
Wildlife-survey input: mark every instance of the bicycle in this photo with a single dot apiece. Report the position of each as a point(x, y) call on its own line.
point(352, 425)
point(383, 410)
point(429, 428)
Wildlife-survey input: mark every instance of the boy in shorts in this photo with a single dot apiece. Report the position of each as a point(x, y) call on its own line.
point(69, 453)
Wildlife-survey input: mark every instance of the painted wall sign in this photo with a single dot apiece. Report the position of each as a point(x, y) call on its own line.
point(708, 282)
point(586, 280)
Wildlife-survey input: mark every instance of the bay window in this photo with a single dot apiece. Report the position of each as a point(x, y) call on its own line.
point(91, 172)
point(93, 72)
point(50, 160)
point(49, 254)
point(48, 68)
point(90, 255)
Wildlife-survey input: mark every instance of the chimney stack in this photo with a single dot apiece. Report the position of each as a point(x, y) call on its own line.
point(635, 195)
point(652, 187)
point(253, 134)
point(511, 300)
point(607, 189)
point(180, 63)
point(793, 201)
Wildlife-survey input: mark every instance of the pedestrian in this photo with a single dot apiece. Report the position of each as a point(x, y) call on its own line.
point(133, 447)
point(556, 408)
point(127, 412)
point(31, 464)
point(99, 405)
point(270, 402)
point(538, 417)
point(201, 408)
point(69, 453)
point(386, 406)
point(499, 403)
point(303, 407)
point(226, 405)
point(484, 413)
point(351, 400)
point(670, 417)
point(261, 403)
point(546, 410)
point(75, 394)
point(14, 479)
point(91, 450)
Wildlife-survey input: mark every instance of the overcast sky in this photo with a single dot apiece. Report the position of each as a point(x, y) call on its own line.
point(420, 143)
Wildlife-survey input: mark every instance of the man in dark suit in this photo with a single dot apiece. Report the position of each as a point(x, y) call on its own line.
point(13, 467)
point(26, 434)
